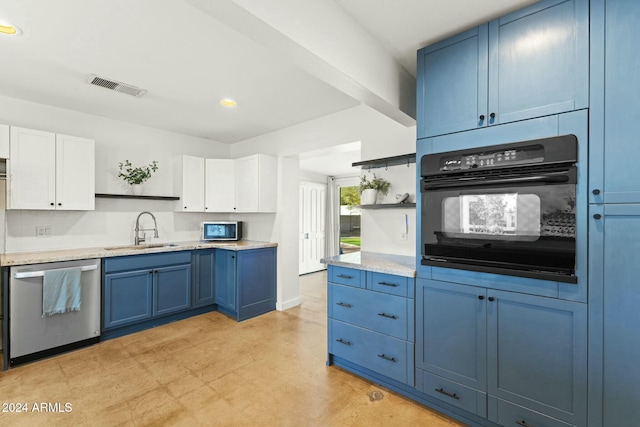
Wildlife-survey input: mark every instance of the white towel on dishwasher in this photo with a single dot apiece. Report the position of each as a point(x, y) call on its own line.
point(61, 291)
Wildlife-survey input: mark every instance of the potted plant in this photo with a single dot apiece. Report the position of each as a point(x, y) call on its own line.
point(369, 189)
point(136, 175)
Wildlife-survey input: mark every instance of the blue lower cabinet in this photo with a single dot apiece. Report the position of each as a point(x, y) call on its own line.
point(523, 350)
point(171, 289)
point(246, 282)
point(138, 288)
point(386, 355)
point(203, 289)
point(508, 414)
point(371, 325)
point(127, 298)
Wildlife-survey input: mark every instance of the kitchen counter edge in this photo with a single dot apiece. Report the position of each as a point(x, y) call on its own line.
point(399, 265)
point(38, 257)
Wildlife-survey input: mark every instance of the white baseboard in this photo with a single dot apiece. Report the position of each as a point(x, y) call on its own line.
point(288, 304)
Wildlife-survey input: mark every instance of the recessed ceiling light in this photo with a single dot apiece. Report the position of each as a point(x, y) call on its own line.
point(9, 29)
point(227, 102)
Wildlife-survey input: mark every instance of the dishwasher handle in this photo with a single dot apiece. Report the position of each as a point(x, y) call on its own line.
point(28, 274)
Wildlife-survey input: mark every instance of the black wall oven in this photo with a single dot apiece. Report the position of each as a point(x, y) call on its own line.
point(507, 209)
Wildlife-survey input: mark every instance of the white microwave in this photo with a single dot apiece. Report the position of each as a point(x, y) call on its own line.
point(222, 230)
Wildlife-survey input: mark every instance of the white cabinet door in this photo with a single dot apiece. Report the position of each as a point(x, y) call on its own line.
point(190, 182)
point(4, 141)
point(220, 185)
point(256, 184)
point(247, 184)
point(75, 173)
point(31, 170)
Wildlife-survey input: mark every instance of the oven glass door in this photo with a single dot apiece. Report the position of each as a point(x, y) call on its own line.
point(527, 228)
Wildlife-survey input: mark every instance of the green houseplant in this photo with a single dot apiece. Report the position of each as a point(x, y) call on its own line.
point(136, 175)
point(370, 189)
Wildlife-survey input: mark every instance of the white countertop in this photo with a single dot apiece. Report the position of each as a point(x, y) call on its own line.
point(22, 258)
point(400, 265)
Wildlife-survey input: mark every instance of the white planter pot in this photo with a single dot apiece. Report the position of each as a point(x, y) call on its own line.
point(368, 197)
point(136, 189)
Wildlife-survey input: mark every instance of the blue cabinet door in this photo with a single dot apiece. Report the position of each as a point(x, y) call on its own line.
point(452, 84)
point(127, 298)
point(225, 279)
point(256, 282)
point(615, 251)
point(203, 289)
point(171, 289)
point(537, 354)
point(539, 61)
point(614, 176)
point(451, 331)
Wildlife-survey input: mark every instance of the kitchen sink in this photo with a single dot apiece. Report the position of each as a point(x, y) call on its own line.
point(141, 247)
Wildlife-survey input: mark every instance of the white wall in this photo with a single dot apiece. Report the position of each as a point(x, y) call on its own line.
point(112, 222)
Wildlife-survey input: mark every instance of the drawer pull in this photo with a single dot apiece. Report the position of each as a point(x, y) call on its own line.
point(344, 276)
point(393, 285)
point(344, 304)
point(523, 423)
point(388, 316)
point(389, 358)
point(446, 393)
point(345, 342)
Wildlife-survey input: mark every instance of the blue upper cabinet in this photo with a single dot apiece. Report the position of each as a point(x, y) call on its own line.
point(614, 176)
point(452, 84)
point(527, 64)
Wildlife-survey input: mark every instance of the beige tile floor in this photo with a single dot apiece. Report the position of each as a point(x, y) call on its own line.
point(209, 371)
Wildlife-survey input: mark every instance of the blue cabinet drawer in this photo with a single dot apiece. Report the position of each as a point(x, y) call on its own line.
point(380, 353)
point(387, 314)
point(139, 262)
point(455, 394)
point(347, 276)
point(508, 414)
point(390, 284)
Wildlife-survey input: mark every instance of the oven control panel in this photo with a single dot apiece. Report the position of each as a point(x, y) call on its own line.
point(487, 159)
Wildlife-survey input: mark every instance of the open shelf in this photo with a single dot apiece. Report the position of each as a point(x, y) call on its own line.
point(388, 206)
point(131, 196)
point(384, 162)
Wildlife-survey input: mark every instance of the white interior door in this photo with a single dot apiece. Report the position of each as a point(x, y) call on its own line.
point(313, 197)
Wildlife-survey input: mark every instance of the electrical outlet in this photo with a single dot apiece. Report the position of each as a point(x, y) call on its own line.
point(43, 231)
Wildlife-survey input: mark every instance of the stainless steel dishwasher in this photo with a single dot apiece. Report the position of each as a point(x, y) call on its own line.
point(33, 336)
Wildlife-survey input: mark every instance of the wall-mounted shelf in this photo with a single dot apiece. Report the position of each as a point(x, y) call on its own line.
point(385, 162)
point(131, 196)
point(388, 206)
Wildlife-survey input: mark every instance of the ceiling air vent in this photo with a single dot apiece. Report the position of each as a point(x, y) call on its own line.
point(114, 85)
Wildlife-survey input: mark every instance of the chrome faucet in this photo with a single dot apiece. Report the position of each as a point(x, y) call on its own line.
point(139, 239)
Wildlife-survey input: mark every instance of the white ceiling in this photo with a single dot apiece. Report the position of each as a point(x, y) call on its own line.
point(188, 59)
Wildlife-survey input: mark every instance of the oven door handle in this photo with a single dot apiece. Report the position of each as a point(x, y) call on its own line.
point(462, 182)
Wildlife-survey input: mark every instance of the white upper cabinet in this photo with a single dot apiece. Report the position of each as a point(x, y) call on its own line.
point(220, 187)
point(189, 183)
point(257, 184)
point(4, 141)
point(75, 173)
point(48, 171)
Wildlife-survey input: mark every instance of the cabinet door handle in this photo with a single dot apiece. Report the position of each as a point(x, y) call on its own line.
point(597, 216)
point(341, 341)
point(393, 285)
point(344, 304)
point(446, 393)
point(491, 299)
point(388, 316)
point(344, 276)
point(596, 191)
point(52, 204)
point(481, 297)
point(523, 423)
point(389, 358)
point(492, 115)
point(481, 117)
